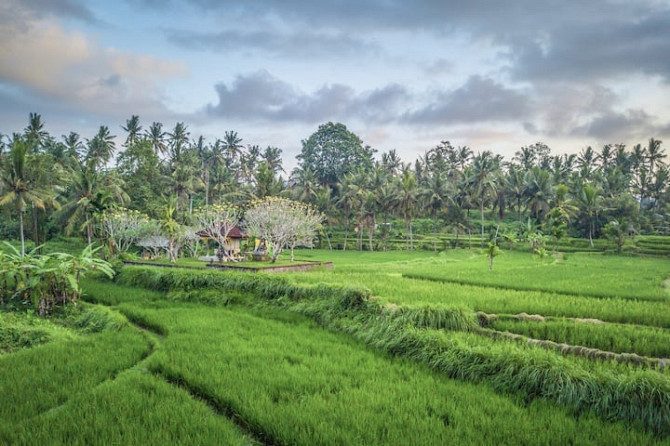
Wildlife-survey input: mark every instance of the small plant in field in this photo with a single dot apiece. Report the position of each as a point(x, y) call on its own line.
point(491, 251)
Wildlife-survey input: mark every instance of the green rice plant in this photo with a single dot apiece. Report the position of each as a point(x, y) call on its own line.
point(94, 319)
point(136, 408)
point(583, 275)
point(295, 384)
point(618, 338)
point(21, 330)
point(35, 380)
point(439, 318)
point(391, 288)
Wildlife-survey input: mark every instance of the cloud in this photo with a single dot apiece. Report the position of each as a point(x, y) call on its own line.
point(302, 44)
point(42, 58)
point(598, 50)
point(478, 100)
point(630, 125)
point(26, 10)
point(260, 96)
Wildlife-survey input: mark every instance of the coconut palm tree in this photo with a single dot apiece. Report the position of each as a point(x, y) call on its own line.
point(484, 181)
point(590, 206)
point(133, 128)
point(90, 192)
point(101, 147)
point(434, 196)
point(35, 133)
point(22, 185)
point(407, 192)
point(156, 135)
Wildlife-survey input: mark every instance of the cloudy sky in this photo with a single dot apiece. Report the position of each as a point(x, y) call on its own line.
point(401, 74)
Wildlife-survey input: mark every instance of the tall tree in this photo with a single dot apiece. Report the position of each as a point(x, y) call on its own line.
point(133, 128)
point(21, 185)
point(156, 135)
point(332, 152)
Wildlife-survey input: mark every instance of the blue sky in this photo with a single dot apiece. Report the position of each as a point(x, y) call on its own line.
point(402, 75)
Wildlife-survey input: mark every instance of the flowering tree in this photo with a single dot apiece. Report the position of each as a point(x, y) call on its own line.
point(282, 222)
point(122, 228)
point(216, 221)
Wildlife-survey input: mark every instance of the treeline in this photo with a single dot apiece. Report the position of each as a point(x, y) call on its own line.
point(60, 186)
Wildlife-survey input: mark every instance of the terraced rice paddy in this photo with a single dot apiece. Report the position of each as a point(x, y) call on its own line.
point(384, 348)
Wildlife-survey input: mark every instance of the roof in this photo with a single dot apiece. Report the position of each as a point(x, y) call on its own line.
point(236, 232)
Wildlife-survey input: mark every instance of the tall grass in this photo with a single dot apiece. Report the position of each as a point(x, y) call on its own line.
point(618, 338)
point(635, 396)
point(36, 380)
point(134, 409)
point(294, 384)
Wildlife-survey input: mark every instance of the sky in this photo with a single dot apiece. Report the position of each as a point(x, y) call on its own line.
point(404, 75)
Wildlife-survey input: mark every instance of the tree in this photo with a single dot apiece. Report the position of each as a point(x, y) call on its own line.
point(619, 231)
point(282, 222)
point(492, 251)
point(484, 181)
point(156, 136)
point(407, 195)
point(21, 185)
point(122, 228)
point(332, 152)
point(590, 207)
point(101, 147)
point(133, 128)
point(216, 221)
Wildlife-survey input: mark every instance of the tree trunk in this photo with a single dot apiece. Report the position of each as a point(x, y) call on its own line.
point(330, 247)
point(23, 240)
point(435, 233)
point(482, 220)
point(292, 258)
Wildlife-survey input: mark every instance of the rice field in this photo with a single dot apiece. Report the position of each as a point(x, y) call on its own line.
point(382, 348)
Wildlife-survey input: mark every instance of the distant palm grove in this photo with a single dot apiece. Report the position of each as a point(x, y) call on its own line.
point(60, 185)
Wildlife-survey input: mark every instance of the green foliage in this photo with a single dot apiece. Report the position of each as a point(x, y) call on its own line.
point(45, 281)
point(307, 386)
point(619, 338)
point(332, 152)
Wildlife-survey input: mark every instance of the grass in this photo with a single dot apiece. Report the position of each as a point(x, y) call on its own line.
point(135, 408)
point(308, 386)
point(618, 338)
point(36, 380)
point(241, 358)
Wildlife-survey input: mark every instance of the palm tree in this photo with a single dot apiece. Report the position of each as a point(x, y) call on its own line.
point(538, 192)
point(434, 195)
point(35, 133)
point(323, 201)
point(101, 147)
point(233, 146)
point(73, 145)
point(156, 135)
point(272, 156)
point(133, 128)
point(22, 186)
point(655, 154)
point(407, 195)
point(178, 141)
point(588, 201)
point(305, 185)
point(89, 193)
point(484, 181)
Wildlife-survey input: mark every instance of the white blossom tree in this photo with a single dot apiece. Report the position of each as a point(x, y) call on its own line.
point(122, 228)
point(282, 222)
point(216, 221)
